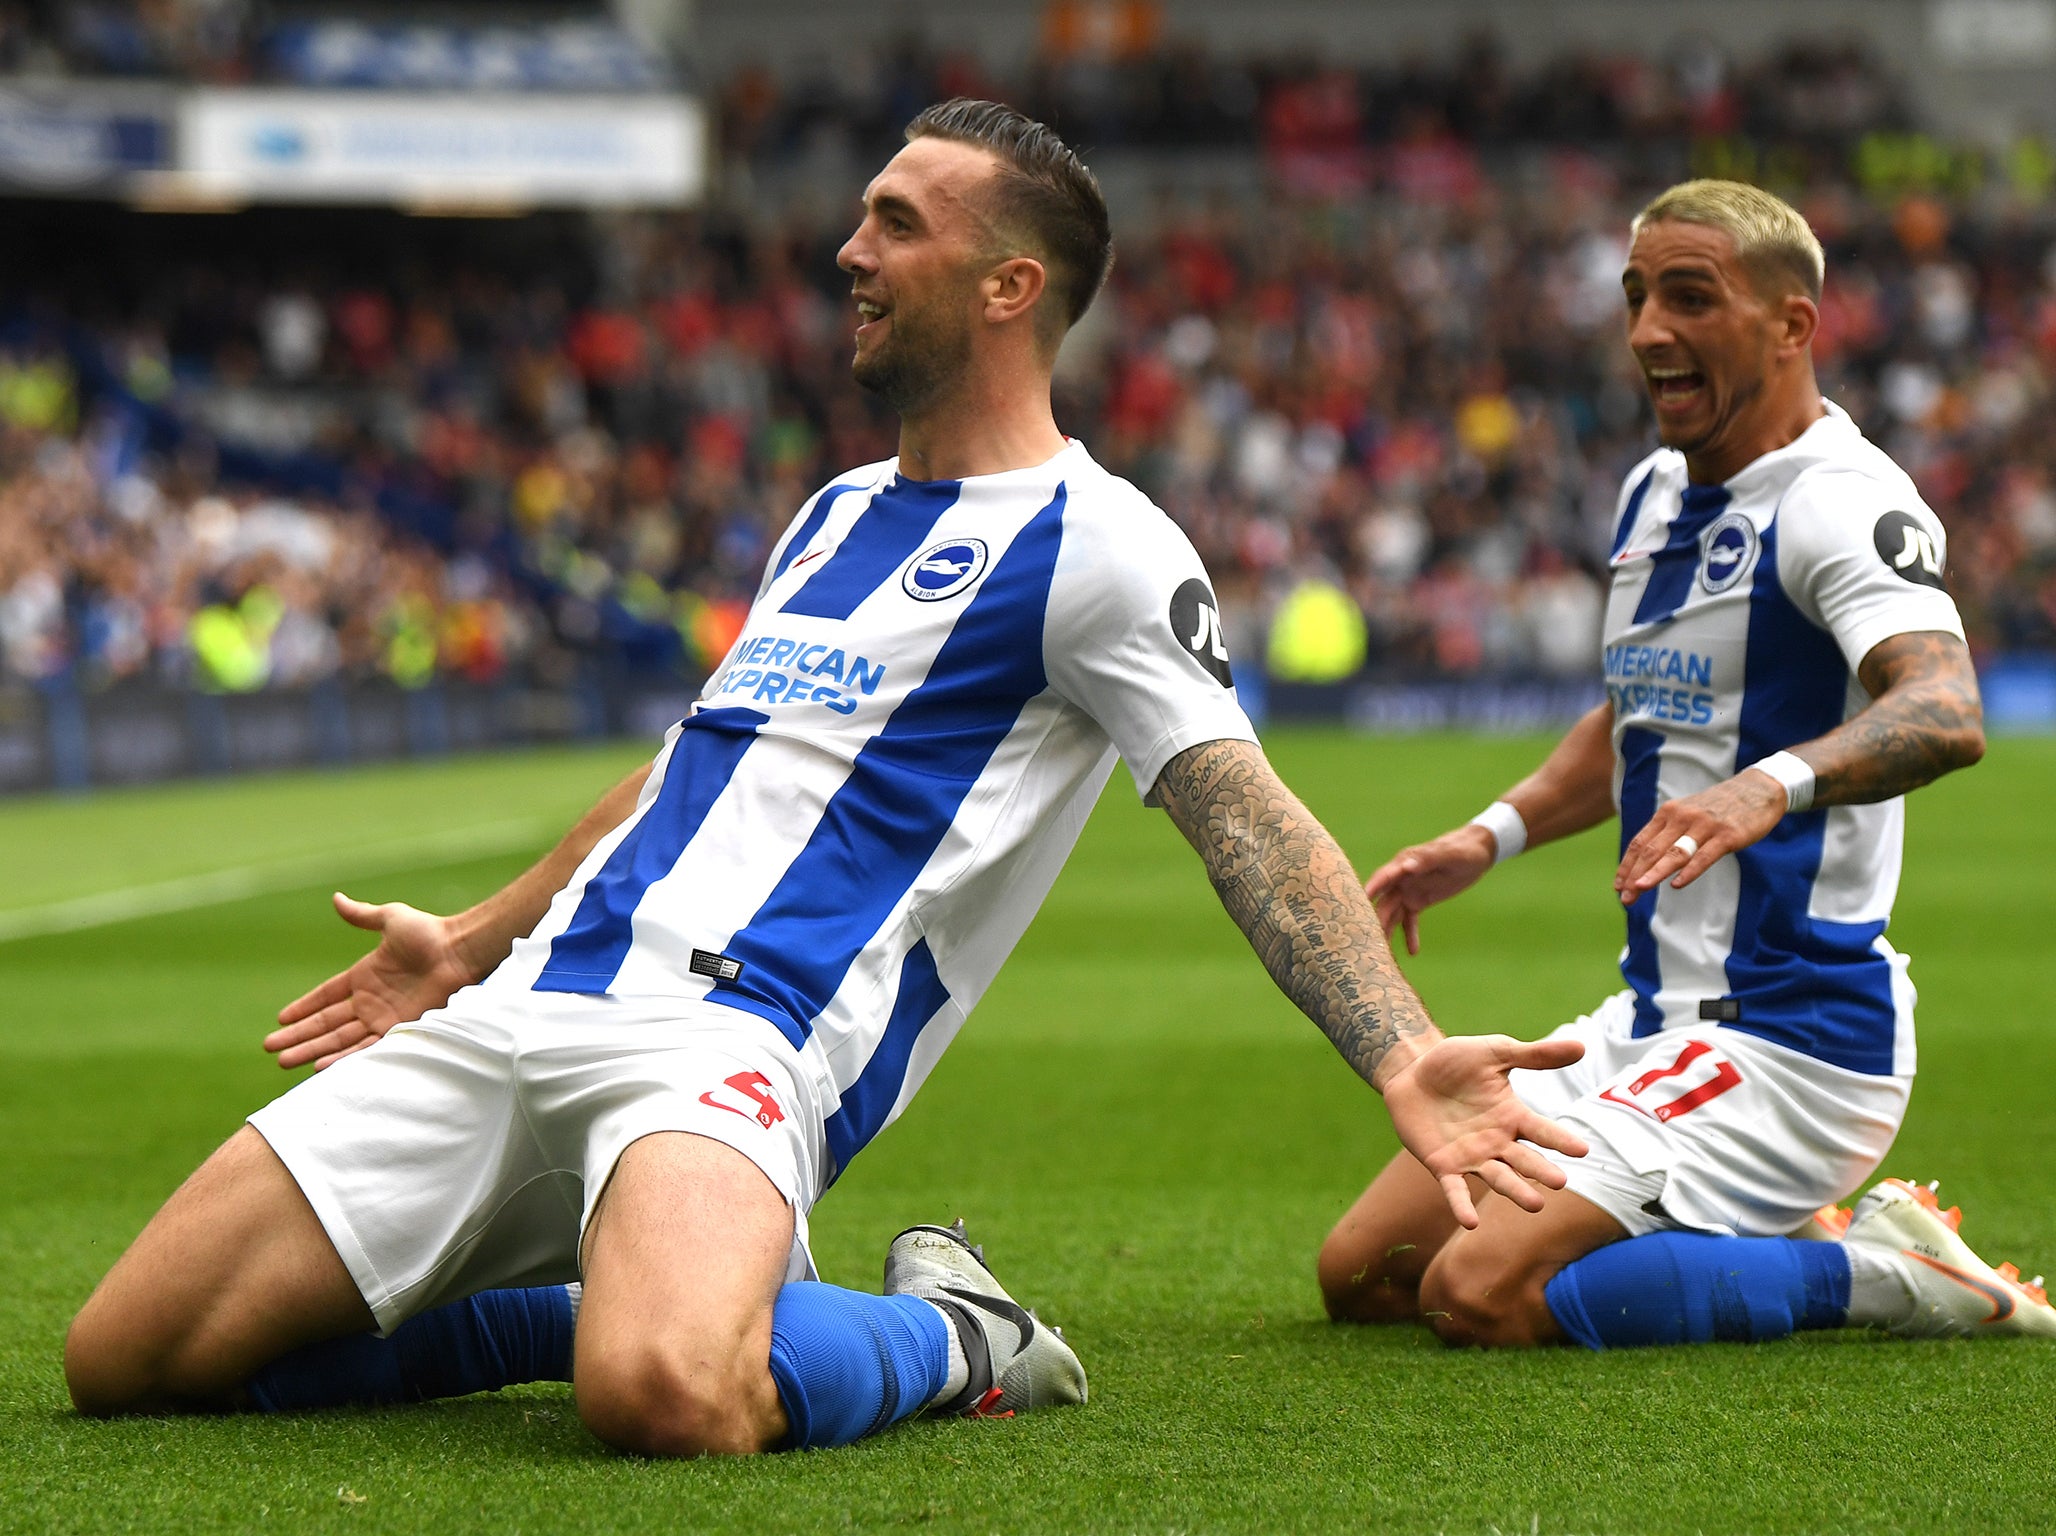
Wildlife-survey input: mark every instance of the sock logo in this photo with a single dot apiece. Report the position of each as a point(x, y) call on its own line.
point(755, 1087)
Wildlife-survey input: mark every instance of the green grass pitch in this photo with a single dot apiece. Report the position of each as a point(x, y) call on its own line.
point(1146, 1136)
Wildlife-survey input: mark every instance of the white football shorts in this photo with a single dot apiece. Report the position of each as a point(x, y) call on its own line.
point(467, 1150)
point(1709, 1129)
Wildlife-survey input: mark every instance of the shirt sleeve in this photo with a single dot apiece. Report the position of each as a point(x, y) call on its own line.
point(1864, 558)
point(1135, 640)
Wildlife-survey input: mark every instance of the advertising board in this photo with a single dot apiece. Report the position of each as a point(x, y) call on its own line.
point(476, 150)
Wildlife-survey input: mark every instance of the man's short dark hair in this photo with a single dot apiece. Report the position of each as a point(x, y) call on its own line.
point(1042, 194)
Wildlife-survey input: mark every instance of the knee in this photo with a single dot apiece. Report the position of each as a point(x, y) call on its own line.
point(1473, 1300)
point(1363, 1284)
point(653, 1402)
point(105, 1374)
point(124, 1355)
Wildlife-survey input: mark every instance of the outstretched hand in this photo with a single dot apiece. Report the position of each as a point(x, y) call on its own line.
point(1454, 1110)
point(415, 967)
point(1415, 878)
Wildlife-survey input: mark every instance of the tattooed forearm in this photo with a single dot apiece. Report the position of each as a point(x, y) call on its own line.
point(1925, 720)
point(1291, 891)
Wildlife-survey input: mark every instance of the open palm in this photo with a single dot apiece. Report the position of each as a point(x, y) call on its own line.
point(1454, 1110)
point(414, 968)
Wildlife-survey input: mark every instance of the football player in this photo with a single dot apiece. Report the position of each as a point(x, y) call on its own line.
point(643, 1061)
point(1782, 665)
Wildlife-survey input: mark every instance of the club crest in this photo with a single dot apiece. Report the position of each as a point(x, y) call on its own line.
point(1727, 551)
point(944, 570)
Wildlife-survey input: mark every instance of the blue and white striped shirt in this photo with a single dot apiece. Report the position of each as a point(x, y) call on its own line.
point(1738, 617)
point(876, 790)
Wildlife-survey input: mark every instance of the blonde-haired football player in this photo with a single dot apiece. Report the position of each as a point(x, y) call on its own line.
point(1782, 665)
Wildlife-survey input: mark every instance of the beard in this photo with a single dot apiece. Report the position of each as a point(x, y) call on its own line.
point(1724, 418)
point(920, 357)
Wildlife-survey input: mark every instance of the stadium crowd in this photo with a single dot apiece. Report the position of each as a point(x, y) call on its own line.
point(1387, 396)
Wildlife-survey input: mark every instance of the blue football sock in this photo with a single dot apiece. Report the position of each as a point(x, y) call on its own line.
point(491, 1340)
point(1691, 1287)
point(847, 1363)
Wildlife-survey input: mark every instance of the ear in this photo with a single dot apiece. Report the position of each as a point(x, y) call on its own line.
point(1798, 323)
point(1013, 288)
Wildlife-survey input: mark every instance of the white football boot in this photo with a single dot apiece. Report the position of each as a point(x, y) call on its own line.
point(1017, 1361)
point(1825, 1225)
point(1955, 1293)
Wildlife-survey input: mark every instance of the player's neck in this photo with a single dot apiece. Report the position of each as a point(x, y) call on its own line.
point(1779, 422)
point(987, 424)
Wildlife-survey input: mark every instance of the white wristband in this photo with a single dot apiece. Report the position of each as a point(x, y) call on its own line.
point(1795, 774)
point(1509, 832)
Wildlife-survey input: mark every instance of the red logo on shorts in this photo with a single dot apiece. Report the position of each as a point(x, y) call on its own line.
point(1685, 1084)
point(755, 1087)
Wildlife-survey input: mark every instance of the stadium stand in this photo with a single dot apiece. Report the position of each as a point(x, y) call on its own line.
point(547, 456)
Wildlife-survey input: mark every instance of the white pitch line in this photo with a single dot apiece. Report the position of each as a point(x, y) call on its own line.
point(247, 880)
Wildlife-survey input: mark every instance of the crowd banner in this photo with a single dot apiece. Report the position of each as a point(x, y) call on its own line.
point(444, 56)
point(441, 150)
point(83, 140)
point(55, 736)
point(2019, 693)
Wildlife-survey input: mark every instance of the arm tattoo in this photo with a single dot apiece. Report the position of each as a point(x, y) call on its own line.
point(1292, 893)
point(1924, 720)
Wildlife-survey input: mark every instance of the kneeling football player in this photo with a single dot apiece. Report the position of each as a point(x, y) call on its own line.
point(1782, 665)
point(640, 1065)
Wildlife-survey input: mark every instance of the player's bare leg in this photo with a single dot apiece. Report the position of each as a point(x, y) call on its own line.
point(1486, 1285)
point(684, 1260)
point(234, 1271)
point(1371, 1265)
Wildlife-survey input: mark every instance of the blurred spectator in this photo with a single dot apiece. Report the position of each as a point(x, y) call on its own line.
point(1394, 378)
point(109, 579)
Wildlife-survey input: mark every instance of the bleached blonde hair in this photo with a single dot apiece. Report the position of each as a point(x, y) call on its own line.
point(1771, 237)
